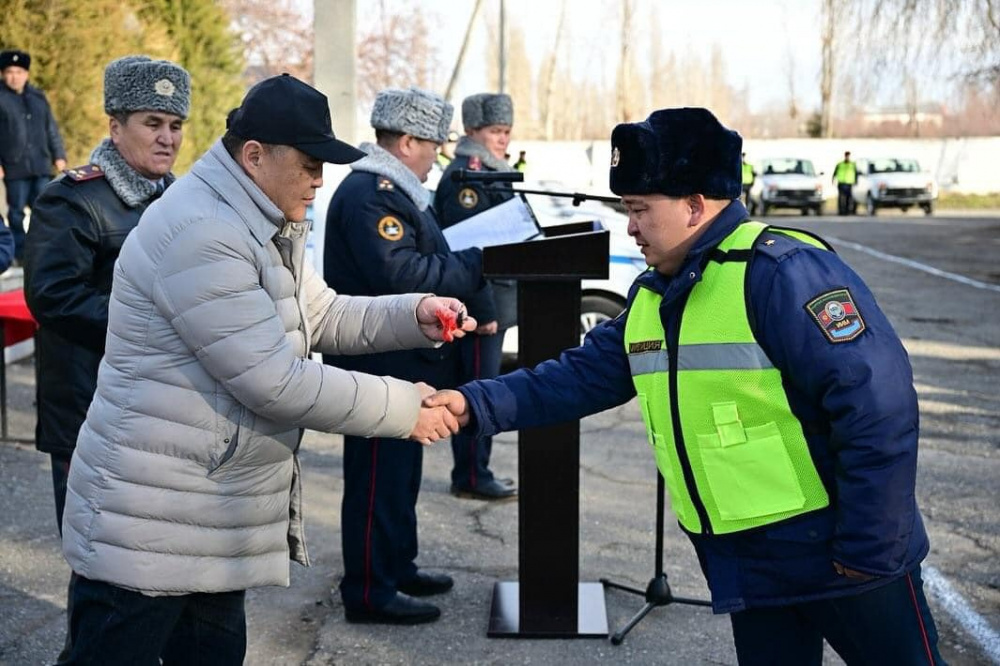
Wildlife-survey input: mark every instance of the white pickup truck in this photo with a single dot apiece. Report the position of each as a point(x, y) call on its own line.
point(890, 182)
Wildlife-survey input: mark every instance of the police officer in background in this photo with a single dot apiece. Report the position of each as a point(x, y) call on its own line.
point(382, 238)
point(845, 175)
point(30, 143)
point(777, 398)
point(78, 225)
point(77, 229)
point(748, 176)
point(487, 118)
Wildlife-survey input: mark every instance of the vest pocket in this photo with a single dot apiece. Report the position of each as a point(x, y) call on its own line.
point(751, 478)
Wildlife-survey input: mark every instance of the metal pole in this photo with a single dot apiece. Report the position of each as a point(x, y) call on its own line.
point(503, 45)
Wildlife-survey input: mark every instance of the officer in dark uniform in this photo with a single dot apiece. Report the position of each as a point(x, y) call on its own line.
point(78, 225)
point(778, 403)
point(382, 238)
point(487, 119)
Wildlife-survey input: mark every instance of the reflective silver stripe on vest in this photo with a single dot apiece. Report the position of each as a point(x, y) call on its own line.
point(647, 363)
point(722, 356)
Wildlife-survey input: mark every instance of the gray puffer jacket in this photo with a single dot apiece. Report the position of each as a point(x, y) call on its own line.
point(184, 477)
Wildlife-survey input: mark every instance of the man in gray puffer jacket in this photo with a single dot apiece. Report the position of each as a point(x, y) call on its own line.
point(184, 487)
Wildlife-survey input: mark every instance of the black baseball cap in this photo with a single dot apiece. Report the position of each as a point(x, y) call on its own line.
point(284, 111)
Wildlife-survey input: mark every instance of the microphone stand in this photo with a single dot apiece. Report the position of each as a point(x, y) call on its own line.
point(495, 180)
point(658, 590)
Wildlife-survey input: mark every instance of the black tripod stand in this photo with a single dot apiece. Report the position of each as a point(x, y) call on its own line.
point(658, 591)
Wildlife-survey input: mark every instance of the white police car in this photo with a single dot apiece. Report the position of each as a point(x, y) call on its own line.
point(786, 182)
point(892, 182)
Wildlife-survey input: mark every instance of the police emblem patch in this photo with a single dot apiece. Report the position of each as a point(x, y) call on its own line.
point(164, 87)
point(615, 157)
point(467, 198)
point(475, 163)
point(836, 315)
point(390, 228)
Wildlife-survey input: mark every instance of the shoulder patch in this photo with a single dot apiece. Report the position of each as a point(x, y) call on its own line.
point(384, 183)
point(836, 315)
point(468, 197)
point(390, 228)
point(85, 172)
point(475, 163)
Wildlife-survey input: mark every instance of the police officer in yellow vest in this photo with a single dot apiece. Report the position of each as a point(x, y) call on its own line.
point(845, 175)
point(748, 177)
point(778, 403)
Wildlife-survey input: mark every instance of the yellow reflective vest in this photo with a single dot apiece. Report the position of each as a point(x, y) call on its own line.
point(731, 452)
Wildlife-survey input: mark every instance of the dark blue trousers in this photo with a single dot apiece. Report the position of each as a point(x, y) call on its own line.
point(888, 625)
point(481, 355)
point(379, 518)
point(110, 625)
point(21, 193)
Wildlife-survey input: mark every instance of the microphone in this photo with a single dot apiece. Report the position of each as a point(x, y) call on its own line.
point(467, 176)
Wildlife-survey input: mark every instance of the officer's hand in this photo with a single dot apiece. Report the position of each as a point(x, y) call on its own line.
point(431, 325)
point(60, 165)
point(454, 401)
point(853, 574)
point(490, 328)
point(434, 423)
point(1, 173)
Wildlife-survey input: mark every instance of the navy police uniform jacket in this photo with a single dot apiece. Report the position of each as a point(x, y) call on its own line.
point(455, 202)
point(855, 399)
point(378, 242)
point(78, 226)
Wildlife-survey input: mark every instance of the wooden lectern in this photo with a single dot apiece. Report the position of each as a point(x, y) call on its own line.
point(549, 601)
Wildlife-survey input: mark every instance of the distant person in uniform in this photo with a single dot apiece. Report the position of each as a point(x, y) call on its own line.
point(778, 403)
point(748, 175)
point(382, 238)
point(522, 163)
point(447, 151)
point(487, 119)
point(845, 175)
point(30, 143)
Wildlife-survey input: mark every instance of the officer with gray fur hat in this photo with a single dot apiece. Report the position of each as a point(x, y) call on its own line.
point(487, 118)
point(778, 403)
point(382, 237)
point(78, 225)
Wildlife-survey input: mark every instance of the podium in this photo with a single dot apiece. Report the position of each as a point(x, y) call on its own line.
point(549, 601)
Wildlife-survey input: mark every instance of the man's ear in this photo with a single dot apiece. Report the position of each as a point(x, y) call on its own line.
point(696, 208)
point(251, 155)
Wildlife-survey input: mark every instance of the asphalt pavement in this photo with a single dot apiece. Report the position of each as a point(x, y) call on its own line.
point(950, 327)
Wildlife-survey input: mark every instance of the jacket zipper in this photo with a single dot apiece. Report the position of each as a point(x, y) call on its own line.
point(682, 454)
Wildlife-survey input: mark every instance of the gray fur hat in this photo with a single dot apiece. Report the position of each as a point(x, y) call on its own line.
point(416, 112)
point(139, 83)
point(487, 109)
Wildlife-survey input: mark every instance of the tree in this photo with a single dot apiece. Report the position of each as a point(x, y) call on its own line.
point(275, 37)
point(206, 46)
point(397, 52)
point(70, 44)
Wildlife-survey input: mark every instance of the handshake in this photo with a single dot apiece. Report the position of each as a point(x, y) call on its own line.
point(442, 414)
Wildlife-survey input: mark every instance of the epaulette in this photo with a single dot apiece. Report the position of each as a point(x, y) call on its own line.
point(85, 172)
point(385, 184)
point(475, 164)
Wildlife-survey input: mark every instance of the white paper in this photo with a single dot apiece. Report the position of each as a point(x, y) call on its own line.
point(510, 222)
